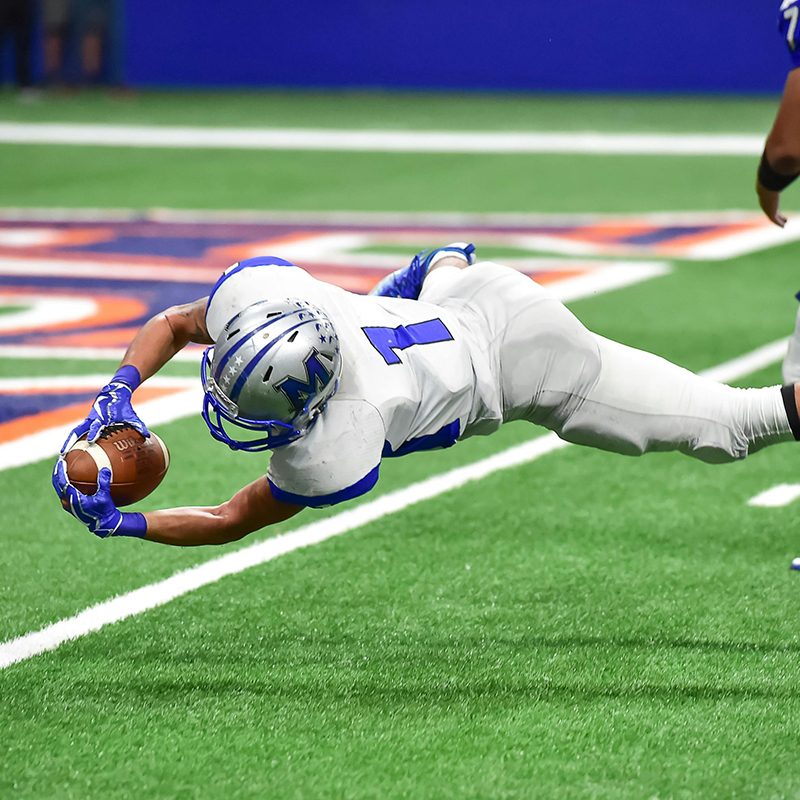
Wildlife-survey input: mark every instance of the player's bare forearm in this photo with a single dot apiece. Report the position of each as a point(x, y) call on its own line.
point(165, 335)
point(247, 511)
point(782, 151)
point(783, 143)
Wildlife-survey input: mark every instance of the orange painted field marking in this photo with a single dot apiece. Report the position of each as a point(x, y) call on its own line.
point(112, 309)
point(25, 426)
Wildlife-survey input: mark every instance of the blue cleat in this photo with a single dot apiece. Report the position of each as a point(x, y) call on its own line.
point(407, 282)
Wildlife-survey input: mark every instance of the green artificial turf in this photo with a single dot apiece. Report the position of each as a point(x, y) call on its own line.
point(400, 110)
point(11, 309)
point(639, 642)
point(38, 175)
point(487, 253)
point(582, 626)
point(39, 368)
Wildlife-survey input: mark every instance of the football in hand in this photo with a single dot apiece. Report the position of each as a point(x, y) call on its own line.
point(137, 464)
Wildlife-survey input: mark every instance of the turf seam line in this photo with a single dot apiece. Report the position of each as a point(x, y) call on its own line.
point(367, 219)
point(756, 233)
point(384, 141)
point(153, 595)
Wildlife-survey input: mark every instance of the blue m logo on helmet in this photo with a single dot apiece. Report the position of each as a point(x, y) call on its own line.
point(249, 375)
point(298, 391)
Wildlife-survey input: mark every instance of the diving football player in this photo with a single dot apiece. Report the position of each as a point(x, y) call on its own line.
point(444, 349)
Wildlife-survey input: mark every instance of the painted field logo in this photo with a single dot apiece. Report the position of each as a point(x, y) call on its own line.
point(36, 414)
point(81, 285)
point(89, 282)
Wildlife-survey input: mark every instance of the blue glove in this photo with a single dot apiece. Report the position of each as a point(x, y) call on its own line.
point(112, 405)
point(97, 511)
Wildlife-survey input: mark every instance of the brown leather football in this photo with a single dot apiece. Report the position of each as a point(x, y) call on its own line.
point(137, 464)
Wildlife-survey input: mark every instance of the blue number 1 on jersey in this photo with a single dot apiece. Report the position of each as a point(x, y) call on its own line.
point(387, 340)
point(788, 25)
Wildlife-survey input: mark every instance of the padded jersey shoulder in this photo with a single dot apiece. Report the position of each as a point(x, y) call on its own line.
point(256, 279)
point(338, 459)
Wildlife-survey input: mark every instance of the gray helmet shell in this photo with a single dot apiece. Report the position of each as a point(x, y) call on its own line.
point(276, 361)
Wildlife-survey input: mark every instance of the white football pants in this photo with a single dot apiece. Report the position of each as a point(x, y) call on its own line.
point(554, 372)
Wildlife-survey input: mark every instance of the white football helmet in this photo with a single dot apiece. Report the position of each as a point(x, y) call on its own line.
point(273, 368)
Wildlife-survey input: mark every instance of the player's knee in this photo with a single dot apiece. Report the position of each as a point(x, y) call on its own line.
point(578, 355)
point(716, 454)
point(552, 377)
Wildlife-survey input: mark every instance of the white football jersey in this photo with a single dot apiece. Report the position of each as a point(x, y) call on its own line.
point(415, 377)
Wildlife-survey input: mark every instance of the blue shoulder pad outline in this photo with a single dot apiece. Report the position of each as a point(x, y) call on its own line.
point(257, 261)
point(319, 501)
point(445, 437)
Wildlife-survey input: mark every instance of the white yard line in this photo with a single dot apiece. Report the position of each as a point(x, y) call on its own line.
point(740, 244)
point(777, 496)
point(136, 602)
point(116, 271)
point(384, 141)
point(379, 219)
point(139, 600)
point(92, 382)
point(748, 363)
point(604, 277)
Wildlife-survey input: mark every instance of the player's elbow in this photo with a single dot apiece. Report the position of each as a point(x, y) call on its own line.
point(187, 322)
point(230, 524)
point(784, 155)
point(235, 520)
point(177, 321)
point(249, 510)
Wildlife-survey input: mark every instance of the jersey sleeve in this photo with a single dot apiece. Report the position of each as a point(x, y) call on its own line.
point(789, 27)
point(337, 460)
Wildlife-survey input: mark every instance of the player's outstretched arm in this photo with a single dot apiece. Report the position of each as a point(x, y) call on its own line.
point(247, 511)
point(780, 164)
